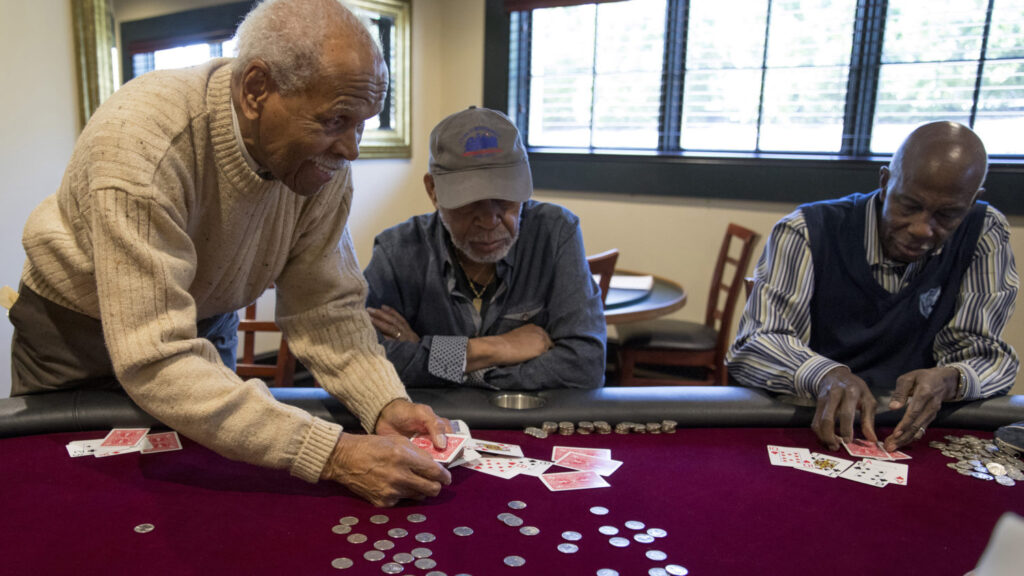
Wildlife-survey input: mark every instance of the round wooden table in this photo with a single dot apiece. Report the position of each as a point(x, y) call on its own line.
point(664, 298)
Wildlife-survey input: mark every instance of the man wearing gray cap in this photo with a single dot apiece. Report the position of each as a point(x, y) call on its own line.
point(493, 289)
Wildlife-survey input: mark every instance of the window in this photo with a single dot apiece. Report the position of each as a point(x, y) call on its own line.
point(837, 78)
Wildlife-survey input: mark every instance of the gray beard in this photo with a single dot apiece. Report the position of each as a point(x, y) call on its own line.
point(468, 251)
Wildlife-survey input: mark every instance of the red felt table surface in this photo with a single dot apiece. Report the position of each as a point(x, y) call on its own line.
point(725, 508)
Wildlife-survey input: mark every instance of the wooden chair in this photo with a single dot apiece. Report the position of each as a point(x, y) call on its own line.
point(603, 266)
point(282, 372)
point(690, 344)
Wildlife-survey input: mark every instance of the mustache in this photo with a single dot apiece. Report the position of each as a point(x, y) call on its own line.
point(494, 236)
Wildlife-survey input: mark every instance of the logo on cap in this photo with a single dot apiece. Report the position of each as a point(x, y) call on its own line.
point(480, 141)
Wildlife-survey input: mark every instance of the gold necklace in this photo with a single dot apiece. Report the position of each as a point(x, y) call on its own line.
point(478, 299)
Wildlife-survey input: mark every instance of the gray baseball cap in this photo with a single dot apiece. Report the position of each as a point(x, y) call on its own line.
point(476, 154)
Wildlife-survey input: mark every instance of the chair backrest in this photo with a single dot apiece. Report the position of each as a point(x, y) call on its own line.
point(603, 266)
point(283, 371)
point(727, 284)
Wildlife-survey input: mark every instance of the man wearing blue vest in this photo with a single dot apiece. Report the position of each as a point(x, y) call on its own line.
point(905, 290)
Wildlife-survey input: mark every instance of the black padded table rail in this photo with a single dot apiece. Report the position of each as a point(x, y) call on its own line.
point(696, 406)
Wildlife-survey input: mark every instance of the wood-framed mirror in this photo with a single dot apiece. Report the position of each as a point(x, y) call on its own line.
point(105, 28)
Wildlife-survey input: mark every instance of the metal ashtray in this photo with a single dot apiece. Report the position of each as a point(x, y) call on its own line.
point(517, 401)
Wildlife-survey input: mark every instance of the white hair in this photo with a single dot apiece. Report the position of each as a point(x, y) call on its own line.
point(288, 35)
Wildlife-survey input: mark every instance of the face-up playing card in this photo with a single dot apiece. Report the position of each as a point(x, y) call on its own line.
point(825, 465)
point(79, 448)
point(787, 456)
point(558, 451)
point(866, 449)
point(895, 472)
point(501, 467)
point(535, 467)
point(162, 442)
point(451, 449)
point(864, 473)
point(121, 441)
point(579, 480)
point(496, 448)
point(577, 461)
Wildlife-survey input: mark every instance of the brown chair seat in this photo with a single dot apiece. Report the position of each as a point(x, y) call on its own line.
point(669, 335)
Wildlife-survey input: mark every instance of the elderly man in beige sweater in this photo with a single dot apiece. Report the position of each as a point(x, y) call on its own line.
point(187, 195)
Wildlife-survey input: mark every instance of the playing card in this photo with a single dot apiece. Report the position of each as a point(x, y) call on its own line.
point(894, 472)
point(577, 461)
point(468, 455)
point(162, 442)
point(787, 456)
point(866, 449)
point(461, 428)
point(121, 441)
point(864, 473)
point(824, 464)
point(579, 480)
point(558, 451)
point(501, 467)
point(451, 449)
point(496, 448)
point(898, 455)
point(79, 448)
point(535, 467)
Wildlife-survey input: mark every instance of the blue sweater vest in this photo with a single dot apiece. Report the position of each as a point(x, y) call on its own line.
point(854, 321)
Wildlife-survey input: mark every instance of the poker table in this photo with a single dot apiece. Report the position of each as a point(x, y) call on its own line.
point(707, 497)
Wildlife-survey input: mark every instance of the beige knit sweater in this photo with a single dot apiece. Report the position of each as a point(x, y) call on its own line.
point(159, 222)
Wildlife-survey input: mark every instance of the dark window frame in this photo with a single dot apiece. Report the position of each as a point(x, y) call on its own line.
point(728, 176)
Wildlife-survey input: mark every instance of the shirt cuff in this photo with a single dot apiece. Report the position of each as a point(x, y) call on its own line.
point(316, 450)
point(808, 377)
point(447, 359)
point(972, 386)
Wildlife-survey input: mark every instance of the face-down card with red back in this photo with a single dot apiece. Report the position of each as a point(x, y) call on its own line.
point(445, 456)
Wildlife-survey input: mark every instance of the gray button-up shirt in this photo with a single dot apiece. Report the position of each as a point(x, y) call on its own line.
point(544, 280)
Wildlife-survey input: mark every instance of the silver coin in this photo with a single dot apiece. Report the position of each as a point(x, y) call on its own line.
point(425, 563)
point(341, 563)
point(618, 542)
point(341, 529)
point(504, 515)
point(676, 570)
point(379, 519)
point(373, 555)
point(656, 555)
point(571, 535)
point(981, 475)
point(425, 537)
point(514, 561)
point(513, 521)
point(404, 558)
point(144, 528)
point(391, 568)
point(996, 469)
point(1006, 481)
point(608, 530)
point(607, 572)
point(517, 504)
point(635, 525)
point(981, 469)
point(599, 511)
point(643, 538)
point(657, 532)
point(356, 538)
point(398, 533)
point(349, 521)
point(422, 553)
point(416, 518)
point(657, 571)
point(383, 544)
point(439, 573)
point(568, 548)
point(529, 530)
point(974, 462)
point(463, 531)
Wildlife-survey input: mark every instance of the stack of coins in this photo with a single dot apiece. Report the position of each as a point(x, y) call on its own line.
point(585, 427)
point(640, 428)
point(602, 427)
point(549, 427)
point(623, 427)
point(981, 459)
point(535, 432)
point(654, 428)
point(668, 426)
point(566, 428)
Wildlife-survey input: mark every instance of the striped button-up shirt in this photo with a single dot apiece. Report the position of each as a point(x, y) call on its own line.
point(771, 348)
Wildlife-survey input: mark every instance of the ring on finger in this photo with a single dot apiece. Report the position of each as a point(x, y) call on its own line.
point(920, 431)
point(398, 334)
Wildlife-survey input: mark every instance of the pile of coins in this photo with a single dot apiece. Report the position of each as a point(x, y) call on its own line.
point(566, 428)
point(981, 459)
point(418, 556)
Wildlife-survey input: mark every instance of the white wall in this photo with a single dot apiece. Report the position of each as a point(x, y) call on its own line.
point(38, 126)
